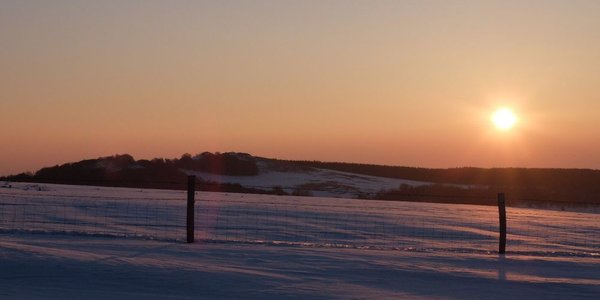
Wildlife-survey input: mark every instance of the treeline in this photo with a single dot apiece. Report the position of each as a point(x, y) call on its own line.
point(466, 175)
point(539, 197)
point(124, 170)
point(522, 184)
point(456, 185)
point(233, 164)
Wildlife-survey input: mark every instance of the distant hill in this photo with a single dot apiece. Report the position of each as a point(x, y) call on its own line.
point(124, 170)
point(523, 184)
point(241, 172)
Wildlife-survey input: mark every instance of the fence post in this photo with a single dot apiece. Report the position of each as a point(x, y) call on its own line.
point(191, 191)
point(502, 213)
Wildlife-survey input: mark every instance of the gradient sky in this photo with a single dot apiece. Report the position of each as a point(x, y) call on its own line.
point(387, 82)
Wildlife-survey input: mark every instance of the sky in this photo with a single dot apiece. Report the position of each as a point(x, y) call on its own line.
point(410, 83)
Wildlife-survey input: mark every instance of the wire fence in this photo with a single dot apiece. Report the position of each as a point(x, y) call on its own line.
point(95, 215)
point(549, 232)
point(294, 221)
point(347, 224)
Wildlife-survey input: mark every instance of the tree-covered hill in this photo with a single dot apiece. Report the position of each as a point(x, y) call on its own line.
point(456, 185)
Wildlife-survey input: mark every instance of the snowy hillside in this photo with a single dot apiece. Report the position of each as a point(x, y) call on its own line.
point(562, 189)
point(312, 181)
point(73, 242)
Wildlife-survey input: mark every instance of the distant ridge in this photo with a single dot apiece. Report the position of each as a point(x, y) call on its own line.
point(456, 185)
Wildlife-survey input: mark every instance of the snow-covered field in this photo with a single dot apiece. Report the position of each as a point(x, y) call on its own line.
point(317, 182)
point(75, 242)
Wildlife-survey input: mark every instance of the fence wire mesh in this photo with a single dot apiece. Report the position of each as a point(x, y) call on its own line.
point(294, 221)
point(44, 212)
point(348, 224)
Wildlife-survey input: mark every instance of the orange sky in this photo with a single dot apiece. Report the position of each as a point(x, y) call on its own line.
point(387, 82)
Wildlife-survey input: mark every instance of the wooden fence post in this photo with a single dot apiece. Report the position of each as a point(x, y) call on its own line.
point(502, 213)
point(191, 191)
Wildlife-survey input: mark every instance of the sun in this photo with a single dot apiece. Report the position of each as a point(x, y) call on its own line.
point(504, 118)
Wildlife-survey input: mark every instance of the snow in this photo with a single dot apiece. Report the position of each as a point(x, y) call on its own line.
point(80, 242)
point(320, 182)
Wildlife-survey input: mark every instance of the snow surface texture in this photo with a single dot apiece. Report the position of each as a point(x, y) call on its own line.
point(319, 182)
point(77, 242)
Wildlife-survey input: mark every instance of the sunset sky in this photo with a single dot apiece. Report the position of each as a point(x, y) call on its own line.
point(410, 83)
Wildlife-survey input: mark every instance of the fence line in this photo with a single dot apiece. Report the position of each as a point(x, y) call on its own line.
point(345, 226)
point(151, 219)
point(297, 221)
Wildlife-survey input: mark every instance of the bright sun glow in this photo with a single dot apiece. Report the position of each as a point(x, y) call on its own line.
point(504, 119)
